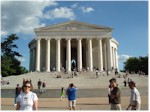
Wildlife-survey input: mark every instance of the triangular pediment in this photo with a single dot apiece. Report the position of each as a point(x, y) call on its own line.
point(73, 25)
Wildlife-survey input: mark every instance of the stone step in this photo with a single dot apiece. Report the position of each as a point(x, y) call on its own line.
point(82, 93)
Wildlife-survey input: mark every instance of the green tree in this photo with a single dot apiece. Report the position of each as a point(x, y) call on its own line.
point(143, 64)
point(137, 64)
point(10, 65)
point(23, 70)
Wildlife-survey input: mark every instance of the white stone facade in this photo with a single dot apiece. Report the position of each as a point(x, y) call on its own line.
point(56, 46)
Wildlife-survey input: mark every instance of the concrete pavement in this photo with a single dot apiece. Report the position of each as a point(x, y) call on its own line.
point(96, 103)
point(92, 93)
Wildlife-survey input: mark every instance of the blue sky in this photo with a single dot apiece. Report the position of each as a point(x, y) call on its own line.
point(129, 19)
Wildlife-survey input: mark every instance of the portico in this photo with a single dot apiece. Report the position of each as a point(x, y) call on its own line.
point(56, 46)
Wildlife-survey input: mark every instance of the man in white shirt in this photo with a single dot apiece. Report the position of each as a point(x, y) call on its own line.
point(135, 99)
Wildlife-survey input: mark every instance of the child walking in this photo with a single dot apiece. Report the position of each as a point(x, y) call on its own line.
point(62, 94)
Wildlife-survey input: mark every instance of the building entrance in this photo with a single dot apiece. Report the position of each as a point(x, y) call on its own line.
point(73, 58)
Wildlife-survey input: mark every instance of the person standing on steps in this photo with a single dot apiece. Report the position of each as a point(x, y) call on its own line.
point(39, 84)
point(62, 94)
point(17, 92)
point(43, 87)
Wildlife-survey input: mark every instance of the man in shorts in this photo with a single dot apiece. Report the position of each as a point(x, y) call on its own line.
point(71, 93)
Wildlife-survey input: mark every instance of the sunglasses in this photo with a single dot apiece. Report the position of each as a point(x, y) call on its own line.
point(27, 86)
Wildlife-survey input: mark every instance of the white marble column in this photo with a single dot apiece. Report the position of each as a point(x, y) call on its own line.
point(113, 64)
point(30, 60)
point(105, 55)
point(33, 59)
point(58, 55)
point(90, 54)
point(79, 54)
point(38, 47)
point(109, 54)
point(48, 55)
point(114, 56)
point(100, 55)
point(117, 60)
point(68, 55)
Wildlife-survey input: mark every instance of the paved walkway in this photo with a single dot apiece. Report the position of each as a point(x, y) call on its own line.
point(85, 82)
point(97, 103)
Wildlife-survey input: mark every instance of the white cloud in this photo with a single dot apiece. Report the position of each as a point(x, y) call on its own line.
point(86, 9)
point(123, 57)
point(3, 33)
point(61, 12)
point(75, 5)
point(21, 59)
point(22, 16)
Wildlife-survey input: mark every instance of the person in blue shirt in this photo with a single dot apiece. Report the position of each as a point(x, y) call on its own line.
point(71, 93)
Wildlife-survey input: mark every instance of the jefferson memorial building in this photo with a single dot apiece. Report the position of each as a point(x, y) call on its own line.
point(73, 44)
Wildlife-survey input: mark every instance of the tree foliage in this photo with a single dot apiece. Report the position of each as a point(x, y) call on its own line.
point(10, 65)
point(137, 64)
